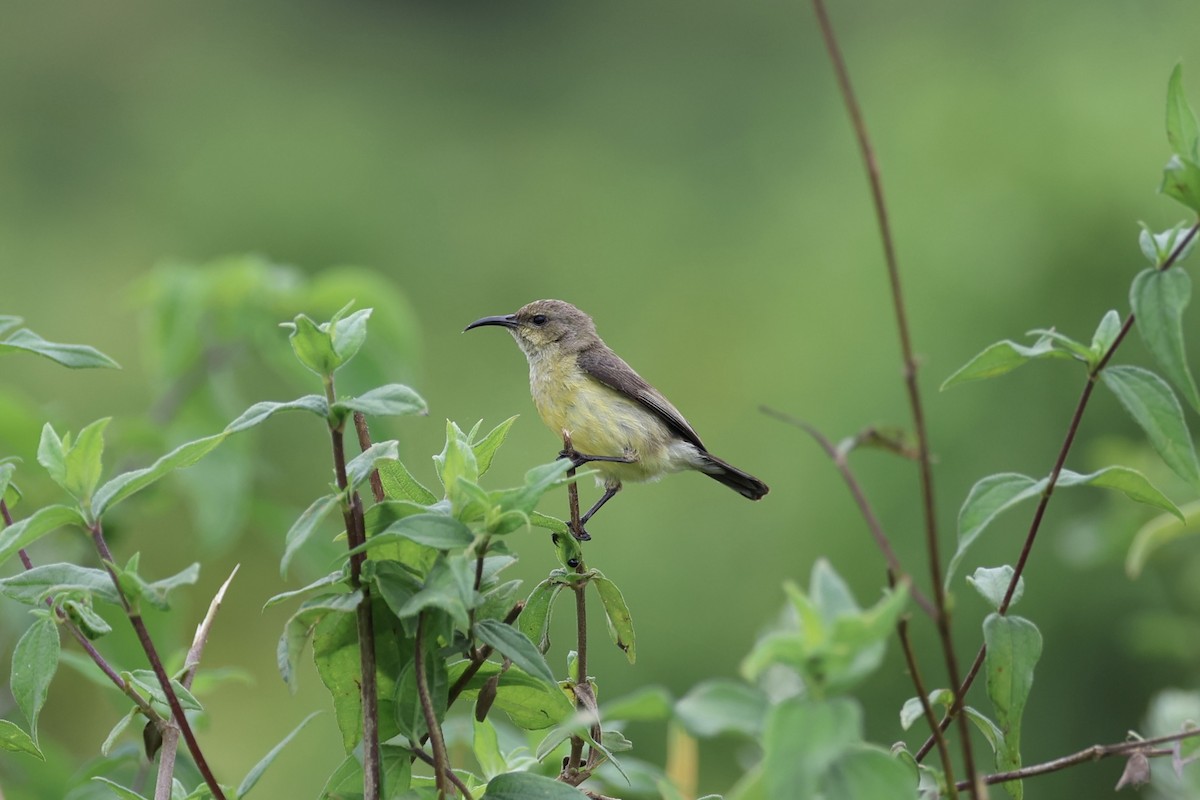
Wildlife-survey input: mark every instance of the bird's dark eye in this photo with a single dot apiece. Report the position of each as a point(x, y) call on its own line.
point(538, 319)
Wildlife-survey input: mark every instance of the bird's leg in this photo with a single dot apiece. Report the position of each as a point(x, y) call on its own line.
point(610, 491)
point(579, 459)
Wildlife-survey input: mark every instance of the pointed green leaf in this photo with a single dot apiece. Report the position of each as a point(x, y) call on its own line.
point(1181, 182)
point(485, 448)
point(360, 467)
point(1014, 646)
point(620, 623)
point(433, 530)
point(34, 662)
point(1159, 532)
point(1106, 333)
point(1002, 357)
point(516, 646)
point(75, 356)
point(1159, 298)
point(398, 483)
point(90, 624)
point(348, 334)
point(305, 526)
point(299, 628)
point(913, 710)
point(529, 786)
point(129, 483)
point(331, 579)
point(256, 772)
point(1153, 406)
point(33, 586)
point(15, 740)
point(450, 587)
point(457, 458)
point(987, 499)
point(21, 534)
point(392, 400)
point(312, 345)
point(534, 621)
point(120, 791)
point(262, 411)
point(1182, 133)
point(486, 746)
point(529, 702)
point(1130, 482)
point(146, 681)
point(156, 592)
point(52, 454)
point(992, 584)
point(84, 461)
point(337, 659)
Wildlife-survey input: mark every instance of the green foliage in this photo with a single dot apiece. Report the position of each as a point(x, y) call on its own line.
point(23, 340)
point(34, 662)
point(1014, 646)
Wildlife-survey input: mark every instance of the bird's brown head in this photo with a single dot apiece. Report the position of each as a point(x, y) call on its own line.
point(546, 325)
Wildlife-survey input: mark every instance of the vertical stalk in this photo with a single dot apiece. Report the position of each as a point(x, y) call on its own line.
point(575, 758)
point(942, 618)
point(441, 762)
point(352, 515)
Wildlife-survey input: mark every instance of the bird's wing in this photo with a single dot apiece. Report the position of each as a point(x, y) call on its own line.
point(611, 370)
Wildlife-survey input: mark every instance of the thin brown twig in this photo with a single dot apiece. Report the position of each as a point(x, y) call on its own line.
point(572, 770)
point(352, 516)
point(164, 681)
point(1146, 747)
point(449, 773)
point(1039, 513)
point(914, 671)
point(364, 442)
point(864, 507)
point(441, 763)
point(170, 734)
point(910, 369)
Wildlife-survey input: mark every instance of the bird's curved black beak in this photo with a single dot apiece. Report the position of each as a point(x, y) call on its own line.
point(504, 320)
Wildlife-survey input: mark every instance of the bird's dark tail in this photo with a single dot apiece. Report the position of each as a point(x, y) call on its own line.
point(743, 483)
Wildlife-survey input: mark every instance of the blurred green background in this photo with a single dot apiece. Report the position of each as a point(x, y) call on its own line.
point(685, 173)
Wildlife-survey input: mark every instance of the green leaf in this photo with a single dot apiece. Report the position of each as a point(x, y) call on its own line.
point(147, 682)
point(529, 702)
point(261, 412)
point(485, 448)
point(392, 400)
point(410, 717)
point(305, 526)
point(1159, 298)
point(648, 704)
point(1014, 645)
point(1130, 482)
point(620, 623)
point(360, 467)
point(83, 461)
point(803, 738)
point(1158, 248)
point(540, 520)
point(913, 710)
point(992, 584)
point(516, 646)
point(987, 499)
point(256, 772)
point(8, 323)
point(722, 706)
point(348, 334)
point(457, 458)
point(313, 345)
point(1182, 133)
point(1106, 333)
point(52, 454)
point(119, 790)
point(1157, 533)
point(867, 771)
point(1000, 358)
point(33, 586)
point(34, 662)
point(1181, 182)
point(397, 772)
point(528, 786)
point(129, 483)
point(990, 730)
point(331, 579)
point(75, 356)
point(433, 530)
point(300, 627)
point(450, 587)
point(336, 656)
point(15, 740)
point(156, 593)
point(1153, 406)
point(22, 534)
point(534, 621)
point(485, 745)
point(399, 483)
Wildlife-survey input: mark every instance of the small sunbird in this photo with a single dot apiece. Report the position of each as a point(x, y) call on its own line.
point(614, 417)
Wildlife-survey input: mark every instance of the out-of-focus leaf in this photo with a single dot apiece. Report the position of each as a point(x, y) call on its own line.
point(75, 356)
point(1152, 404)
point(1159, 298)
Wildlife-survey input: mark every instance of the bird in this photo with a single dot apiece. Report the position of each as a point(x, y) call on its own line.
point(615, 419)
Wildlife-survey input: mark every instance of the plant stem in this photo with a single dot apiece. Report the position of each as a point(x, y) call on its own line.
point(441, 764)
point(574, 771)
point(139, 627)
point(352, 516)
point(914, 671)
point(1095, 753)
point(364, 442)
point(1040, 512)
point(910, 371)
point(450, 776)
point(480, 657)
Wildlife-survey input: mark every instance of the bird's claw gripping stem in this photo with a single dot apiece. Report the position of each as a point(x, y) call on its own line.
point(578, 459)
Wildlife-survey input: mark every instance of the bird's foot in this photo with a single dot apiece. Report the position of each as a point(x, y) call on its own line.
point(580, 533)
point(578, 459)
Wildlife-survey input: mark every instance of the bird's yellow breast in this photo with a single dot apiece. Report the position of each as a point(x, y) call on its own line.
point(601, 421)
